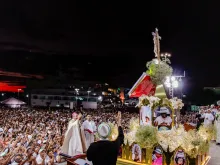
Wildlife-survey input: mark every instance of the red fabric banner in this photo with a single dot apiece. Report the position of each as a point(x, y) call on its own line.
point(144, 87)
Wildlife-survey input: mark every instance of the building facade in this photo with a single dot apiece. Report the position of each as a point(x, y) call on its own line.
point(62, 98)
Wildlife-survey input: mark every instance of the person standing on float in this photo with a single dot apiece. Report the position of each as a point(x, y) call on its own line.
point(88, 127)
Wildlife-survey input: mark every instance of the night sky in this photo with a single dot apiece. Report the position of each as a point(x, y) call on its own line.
point(111, 40)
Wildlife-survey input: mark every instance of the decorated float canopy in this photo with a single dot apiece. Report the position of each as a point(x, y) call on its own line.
point(13, 103)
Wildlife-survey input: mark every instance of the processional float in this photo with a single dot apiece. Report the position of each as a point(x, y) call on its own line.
point(148, 143)
point(152, 141)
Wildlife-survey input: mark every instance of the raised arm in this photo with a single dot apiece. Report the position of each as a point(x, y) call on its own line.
point(120, 138)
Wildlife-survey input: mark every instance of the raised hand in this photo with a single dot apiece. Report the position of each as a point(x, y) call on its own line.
point(79, 116)
point(119, 118)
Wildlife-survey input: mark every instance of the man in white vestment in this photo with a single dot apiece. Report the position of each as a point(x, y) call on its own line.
point(163, 121)
point(89, 129)
point(208, 118)
point(74, 141)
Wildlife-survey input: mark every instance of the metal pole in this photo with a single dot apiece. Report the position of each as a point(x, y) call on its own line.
point(171, 91)
point(88, 97)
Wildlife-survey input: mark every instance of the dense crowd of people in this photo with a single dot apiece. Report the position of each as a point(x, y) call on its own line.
point(27, 136)
point(189, 117)
point(36, 136)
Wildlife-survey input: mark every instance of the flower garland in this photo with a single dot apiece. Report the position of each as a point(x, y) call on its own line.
point(154, 102)
point(158, 71)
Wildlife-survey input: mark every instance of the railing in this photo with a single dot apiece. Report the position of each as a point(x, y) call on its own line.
point(74, 160)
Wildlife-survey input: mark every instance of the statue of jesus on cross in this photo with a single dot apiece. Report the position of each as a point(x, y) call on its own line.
point(156, 39)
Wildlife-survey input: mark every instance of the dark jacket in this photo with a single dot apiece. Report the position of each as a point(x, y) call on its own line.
point(200, 120)
point(105, 152)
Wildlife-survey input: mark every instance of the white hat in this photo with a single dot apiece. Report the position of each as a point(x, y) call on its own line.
point(104, 130)
point(164, 110)
point(158, 151)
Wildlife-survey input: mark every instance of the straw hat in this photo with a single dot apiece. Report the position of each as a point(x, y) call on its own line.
point(104, 130)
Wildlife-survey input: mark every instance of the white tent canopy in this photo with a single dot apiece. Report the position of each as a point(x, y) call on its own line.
point(13, 102)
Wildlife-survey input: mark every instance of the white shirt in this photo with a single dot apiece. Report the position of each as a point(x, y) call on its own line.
point(208, 119)
point(161, 120)
point(39, 141)
point(10, 130)
point(39, 160)
point(34, 155)
point(87, 125)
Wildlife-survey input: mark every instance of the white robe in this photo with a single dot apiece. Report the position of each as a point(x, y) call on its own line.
point(89, 129)
point(74, 141)
point(217, 122)
point(208, 119)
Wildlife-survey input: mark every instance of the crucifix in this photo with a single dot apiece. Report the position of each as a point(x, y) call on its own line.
point(156, 39)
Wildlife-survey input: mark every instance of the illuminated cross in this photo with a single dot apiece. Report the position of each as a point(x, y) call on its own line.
point(156, 39)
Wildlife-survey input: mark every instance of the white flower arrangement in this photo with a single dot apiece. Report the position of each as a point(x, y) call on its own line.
point(172, 138)
point(176, 103)
point(145, 100)
point(130, 137)
point(192, 142)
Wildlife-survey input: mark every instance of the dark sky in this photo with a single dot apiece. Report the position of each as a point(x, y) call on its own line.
point(113, 36)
